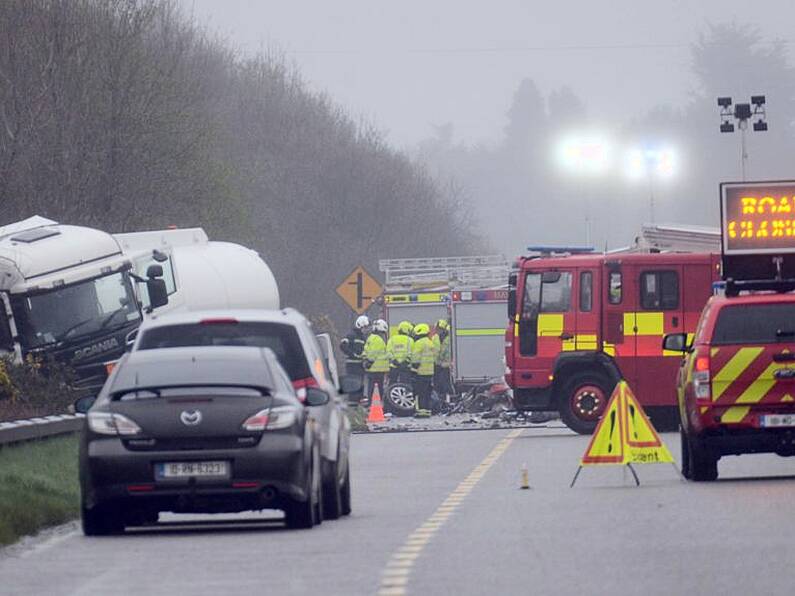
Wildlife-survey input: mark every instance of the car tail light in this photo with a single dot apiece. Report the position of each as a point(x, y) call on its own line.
point(276, 418)
point(701, 380)
point(257, 422)
point(107, 423)
point(300, 386)
point(219, 321)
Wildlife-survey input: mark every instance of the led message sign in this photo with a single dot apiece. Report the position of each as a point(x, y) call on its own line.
point(758, 218)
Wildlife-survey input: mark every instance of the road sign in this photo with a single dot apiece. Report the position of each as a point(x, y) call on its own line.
point(359, 289)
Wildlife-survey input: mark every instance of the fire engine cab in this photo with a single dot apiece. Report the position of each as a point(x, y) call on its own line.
point(736, 382)
point(580, 321)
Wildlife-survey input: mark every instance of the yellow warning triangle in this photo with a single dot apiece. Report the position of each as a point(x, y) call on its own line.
point(787, 397)
point(607, 445)
point(642, 444)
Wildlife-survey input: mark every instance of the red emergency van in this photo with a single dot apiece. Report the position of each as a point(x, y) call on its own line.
point(580, 322)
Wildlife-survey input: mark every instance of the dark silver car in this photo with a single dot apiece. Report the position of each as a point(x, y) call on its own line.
point(206, 430)
point(289, 334)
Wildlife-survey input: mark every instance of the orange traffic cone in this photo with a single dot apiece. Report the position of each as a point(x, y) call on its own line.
point(376, 407)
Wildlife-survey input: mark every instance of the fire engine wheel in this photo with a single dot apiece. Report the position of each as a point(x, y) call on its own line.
point(583, 402)
point(400, 399)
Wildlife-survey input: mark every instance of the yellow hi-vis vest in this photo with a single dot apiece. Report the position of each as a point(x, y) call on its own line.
point(399, 348)
point(374, 354)
point(424, 355)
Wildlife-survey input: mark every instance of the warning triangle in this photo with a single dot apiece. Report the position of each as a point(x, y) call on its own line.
point(607, 445)
point(642, 443)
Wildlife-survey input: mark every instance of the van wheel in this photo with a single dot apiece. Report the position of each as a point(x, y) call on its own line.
point(686, 472)
point(703, 464)
point(346, 491)
point(583, 401)
point(332, 500)
point(305, 514)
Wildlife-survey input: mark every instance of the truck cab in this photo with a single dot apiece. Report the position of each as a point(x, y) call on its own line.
point(67, 294)
point(580, 322)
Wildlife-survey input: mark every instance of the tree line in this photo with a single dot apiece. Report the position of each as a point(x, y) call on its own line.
point(127, 115)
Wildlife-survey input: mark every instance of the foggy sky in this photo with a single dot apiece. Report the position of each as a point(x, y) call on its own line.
point(413, 64)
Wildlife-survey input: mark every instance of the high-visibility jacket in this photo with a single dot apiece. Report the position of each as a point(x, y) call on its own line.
point(423, 356)
point(444, 353)
point(399, 349)
point(375, 357)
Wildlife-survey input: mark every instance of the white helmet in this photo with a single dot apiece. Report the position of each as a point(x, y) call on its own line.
point(362, 322)
point(381, 326)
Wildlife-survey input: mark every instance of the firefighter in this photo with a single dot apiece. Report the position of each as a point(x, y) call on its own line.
point(399, 351)
point(352, 345)
point(375, 359)
point(444, 358)
point(422, 361)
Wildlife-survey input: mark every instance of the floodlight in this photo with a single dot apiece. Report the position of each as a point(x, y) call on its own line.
point(727, 127)
point(758, 100)
point(742, 111)
point(724, 102)
point(760, 126)
point(584, 154)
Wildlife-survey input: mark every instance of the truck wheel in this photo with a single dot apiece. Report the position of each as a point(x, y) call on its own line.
point(400, 399)
point(703, 465)
point(583, 401)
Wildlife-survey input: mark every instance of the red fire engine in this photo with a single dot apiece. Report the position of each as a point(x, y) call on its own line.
point(580, 322)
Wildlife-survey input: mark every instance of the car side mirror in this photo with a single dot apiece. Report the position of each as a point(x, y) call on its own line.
point(158, 294)
point(316, 397)
point(154, 271)
point(129, 340)
point(84, 404)
point(675, 342)
point(351, 384)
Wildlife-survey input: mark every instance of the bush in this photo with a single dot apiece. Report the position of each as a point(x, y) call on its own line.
point(34, 388)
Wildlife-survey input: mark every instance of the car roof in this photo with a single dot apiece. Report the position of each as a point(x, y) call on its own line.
point(206, 365)
point(285, 315)
point(755, 298)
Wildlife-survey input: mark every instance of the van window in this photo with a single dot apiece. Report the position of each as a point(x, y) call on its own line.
point(586, 291)
point(755, 324)
point(282, 339)
point(615, 288)
point(659, 290)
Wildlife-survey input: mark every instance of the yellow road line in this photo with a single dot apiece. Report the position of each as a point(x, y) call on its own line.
point(397, 572)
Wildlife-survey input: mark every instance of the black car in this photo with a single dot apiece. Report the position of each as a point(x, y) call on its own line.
point(202, 430)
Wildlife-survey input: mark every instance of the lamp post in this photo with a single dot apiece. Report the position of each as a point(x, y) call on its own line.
point(584, 156)
point(651, 163)
point(742, 113)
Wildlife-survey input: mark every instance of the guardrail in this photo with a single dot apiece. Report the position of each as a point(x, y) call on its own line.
point(19, 431)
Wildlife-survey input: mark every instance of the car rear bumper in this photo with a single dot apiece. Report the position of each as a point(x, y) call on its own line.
point(263, 476)
point(736, 441)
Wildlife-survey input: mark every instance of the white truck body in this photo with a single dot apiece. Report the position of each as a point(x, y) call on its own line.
point(201, 274)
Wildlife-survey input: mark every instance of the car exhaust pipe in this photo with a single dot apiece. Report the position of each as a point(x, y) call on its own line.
point(268, 494)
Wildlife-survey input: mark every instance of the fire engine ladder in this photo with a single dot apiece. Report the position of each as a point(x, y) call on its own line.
point(475, 271)
point(677, 238)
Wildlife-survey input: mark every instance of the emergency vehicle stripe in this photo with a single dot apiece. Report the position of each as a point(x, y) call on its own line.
point(735, 414)
point(550, 324)
point(733, 369)
point(759, 388)
point(649, 323)
point(470, 332)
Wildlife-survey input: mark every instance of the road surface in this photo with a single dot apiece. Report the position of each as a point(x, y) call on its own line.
point(441, 513)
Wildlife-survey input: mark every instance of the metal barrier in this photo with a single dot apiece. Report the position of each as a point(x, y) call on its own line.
point(19, 431)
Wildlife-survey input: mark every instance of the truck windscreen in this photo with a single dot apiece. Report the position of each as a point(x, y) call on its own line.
point(74, 311)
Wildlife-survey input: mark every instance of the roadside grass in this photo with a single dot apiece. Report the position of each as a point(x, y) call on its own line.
point(38, 486)
point(358, 417)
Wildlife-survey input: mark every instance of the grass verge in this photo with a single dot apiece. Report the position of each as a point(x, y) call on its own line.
point(38, 486)
point(358, 417)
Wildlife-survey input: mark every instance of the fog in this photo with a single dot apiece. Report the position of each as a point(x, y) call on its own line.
point(482, 95)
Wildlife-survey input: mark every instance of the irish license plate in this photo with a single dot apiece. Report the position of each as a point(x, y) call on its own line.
point(192, 469)
point(777, 420)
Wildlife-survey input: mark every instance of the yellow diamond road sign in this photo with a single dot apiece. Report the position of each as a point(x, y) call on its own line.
point(359, 289)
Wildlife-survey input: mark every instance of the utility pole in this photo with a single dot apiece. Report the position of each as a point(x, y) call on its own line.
point(742, 113)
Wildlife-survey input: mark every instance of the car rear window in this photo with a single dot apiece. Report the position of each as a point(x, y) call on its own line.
point(755, 323)
point(282, 339)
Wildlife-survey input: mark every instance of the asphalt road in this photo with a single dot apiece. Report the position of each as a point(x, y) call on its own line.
point(441, 513)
